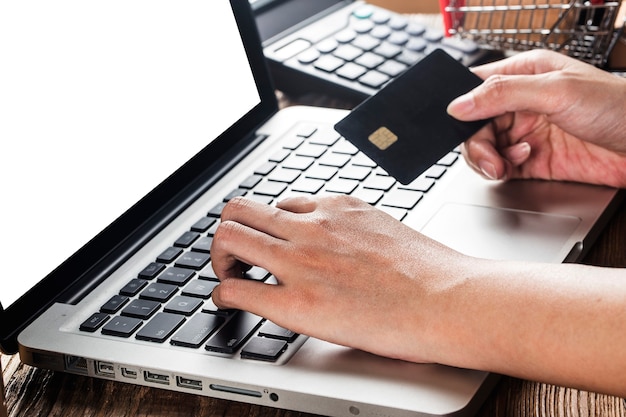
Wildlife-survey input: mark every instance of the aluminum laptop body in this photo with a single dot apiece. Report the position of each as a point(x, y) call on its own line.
point(196, 114)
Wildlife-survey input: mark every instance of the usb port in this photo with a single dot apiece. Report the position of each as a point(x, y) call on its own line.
point(188, 383)
point(156, 378)
point(129, 373)
point(105, 369)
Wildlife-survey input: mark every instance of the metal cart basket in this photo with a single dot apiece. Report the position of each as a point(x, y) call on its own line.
point(585, 30)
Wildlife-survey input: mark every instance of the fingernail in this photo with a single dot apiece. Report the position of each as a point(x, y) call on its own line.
point(461, 105)
point(488, 170)
point(518, 153)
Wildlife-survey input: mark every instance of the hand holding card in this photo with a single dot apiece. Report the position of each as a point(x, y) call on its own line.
point(405, 128)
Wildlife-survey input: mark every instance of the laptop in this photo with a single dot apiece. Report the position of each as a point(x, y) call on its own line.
point(126, 126)
point(348, 49)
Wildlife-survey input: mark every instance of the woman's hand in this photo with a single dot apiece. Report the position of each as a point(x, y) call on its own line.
point(554, 118)
point(347, 272)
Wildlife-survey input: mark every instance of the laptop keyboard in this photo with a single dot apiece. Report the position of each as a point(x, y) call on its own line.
point(170, 299)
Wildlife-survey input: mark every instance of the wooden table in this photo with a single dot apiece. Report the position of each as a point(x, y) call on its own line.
point(38, 393)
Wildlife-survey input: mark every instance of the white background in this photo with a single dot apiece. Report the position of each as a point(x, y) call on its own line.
point(99, 102)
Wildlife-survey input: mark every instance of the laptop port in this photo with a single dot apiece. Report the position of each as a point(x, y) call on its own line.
point(76, 364)
point(105, 369)
point(188, 383)
point(235, 390)
point(156, 378)
point(129, 373)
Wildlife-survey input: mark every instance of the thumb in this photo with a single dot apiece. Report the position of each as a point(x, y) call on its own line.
point(501, 94)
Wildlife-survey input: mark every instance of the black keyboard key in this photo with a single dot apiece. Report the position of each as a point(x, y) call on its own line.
point(203, 224)
point(341, 185)
point(448, 160)
point(199, 289)
point(291, 143)
point(336, 160)
point(193, 260)
point(151, 271)
point(197, 330)
point(379, 182)
point(183, 305)
point(210, 308)
point(435, 171)
point(94, 322)
point(234, 193)
point(234, 333)
point(312, 151)
point(263, 199)
point(274, 331)
point(368, 195)
point(352, 172)
point(256, 273)
point(169, 255)
point(203, 245)
point(114, 304)
point(404, 199)
point(133, 287)
point(263, 349)
point(345, 147)
point(284, 175)
point(422, 184)
point(213, 229)
point(208, 273)
point(307, 130)
point(253, 180)
point(176, 276)
point(186, 239)
point(160, 327)
point(327, 137)
point(216, 211)
point(324, 173)
point(308, 185)
point(141, 309)
point(158, 292)
point(121, 326)
point(300, 163)
point(270, 188)
point(265, 169)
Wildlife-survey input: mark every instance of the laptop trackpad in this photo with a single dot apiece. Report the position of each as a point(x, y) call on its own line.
point(497, 233)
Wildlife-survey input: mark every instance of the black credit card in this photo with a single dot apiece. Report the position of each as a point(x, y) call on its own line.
point(404, 127)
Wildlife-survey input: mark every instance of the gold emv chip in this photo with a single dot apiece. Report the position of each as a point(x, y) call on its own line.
point(383, 138)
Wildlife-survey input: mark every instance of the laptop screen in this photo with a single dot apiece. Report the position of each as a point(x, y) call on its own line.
point(99, 103)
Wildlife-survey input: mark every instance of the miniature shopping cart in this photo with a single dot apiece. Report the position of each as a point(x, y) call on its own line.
point(585, 30)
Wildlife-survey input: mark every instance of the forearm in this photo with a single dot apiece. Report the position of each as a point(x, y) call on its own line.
point(562, 324)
